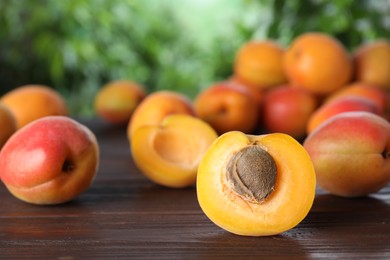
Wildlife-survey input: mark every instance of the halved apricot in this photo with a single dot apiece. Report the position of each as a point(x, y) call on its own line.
point(256, 185)
point(169, 153)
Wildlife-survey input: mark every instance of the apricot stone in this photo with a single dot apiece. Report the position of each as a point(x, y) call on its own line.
point(256, 185)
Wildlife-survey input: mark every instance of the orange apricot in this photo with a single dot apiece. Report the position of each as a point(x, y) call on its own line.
point(8, 124)
point(169, 153)
point(260, 63)
point(156, 106)
point(116, 101)
point(256, 185)
point(30, 102)
point(372, 63)
point(227, 106)
point(318, 62)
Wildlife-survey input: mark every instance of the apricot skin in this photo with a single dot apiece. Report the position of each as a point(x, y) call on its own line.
point(350, 153)
point(282, 210)
point(116, 101)
point(340, 105)
point(156, 106)
point(287, 110)
point(169, 153)
point(227, 107)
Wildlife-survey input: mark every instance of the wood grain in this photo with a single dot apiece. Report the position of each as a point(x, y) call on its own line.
point(125, 216)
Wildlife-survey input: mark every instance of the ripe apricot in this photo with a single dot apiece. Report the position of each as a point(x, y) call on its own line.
point(372, 63)
point(227, 106)
point(260, 63)
point(318, 62)
point(7, 123)
point(256, 185)
point(376, 94)
point(117, 100)
point(30, 102)
point(287, 110)
point(350, 153)
point(169, 152)
point(340, 105)
point(156, 106)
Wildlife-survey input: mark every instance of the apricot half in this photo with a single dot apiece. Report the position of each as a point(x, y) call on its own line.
point(256, 185)
point(169, 153)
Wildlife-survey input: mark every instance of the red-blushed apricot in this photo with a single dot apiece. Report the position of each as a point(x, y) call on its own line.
point(169, 153)
point(116, 101)
point(340, 105)
point(227, 106)
point(256, 185)
point(350, 153)
point(378, 95)
point(287, 110)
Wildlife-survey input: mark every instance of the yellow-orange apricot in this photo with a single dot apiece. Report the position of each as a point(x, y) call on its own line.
point(256, 185)
point(169, 153)
point(30, 102)
point(156, 106)
point(7, 123)
point(260, 63)
point(372, 63)
point(318, 62)
point(117, 100)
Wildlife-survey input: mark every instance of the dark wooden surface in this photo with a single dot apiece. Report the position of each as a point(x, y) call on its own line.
point(124, 215)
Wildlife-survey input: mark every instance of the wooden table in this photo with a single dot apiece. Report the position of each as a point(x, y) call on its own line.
point(124, 215)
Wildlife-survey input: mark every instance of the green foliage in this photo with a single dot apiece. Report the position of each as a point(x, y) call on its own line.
point(76, 46)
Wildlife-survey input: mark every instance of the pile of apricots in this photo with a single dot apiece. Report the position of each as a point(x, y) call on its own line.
point(257, 145)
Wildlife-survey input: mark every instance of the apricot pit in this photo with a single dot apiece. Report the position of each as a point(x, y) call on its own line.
point(252, 173)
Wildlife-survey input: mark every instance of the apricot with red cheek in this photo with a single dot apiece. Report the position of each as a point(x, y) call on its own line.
point(350, 153)
point(340, 105)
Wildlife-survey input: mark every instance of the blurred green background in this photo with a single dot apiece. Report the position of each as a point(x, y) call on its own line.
point(76, 46)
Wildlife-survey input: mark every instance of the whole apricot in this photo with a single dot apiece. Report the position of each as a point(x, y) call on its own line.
point(376, 94)
point(350, 153)
point(8, 124)
point(169, 152)
point(287, 110)
point(117, 100)
point(227, 107)
point(318, 62)
point(260, 63)
point(156, 106)
point(256, 185)
point(30, 102)
point(340, 105)
point(372, 63)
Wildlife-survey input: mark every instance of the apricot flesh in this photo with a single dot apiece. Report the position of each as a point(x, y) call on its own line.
point(169, 153)
point(288, 202)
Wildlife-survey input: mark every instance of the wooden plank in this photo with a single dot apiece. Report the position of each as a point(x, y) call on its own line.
point(124, 215)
